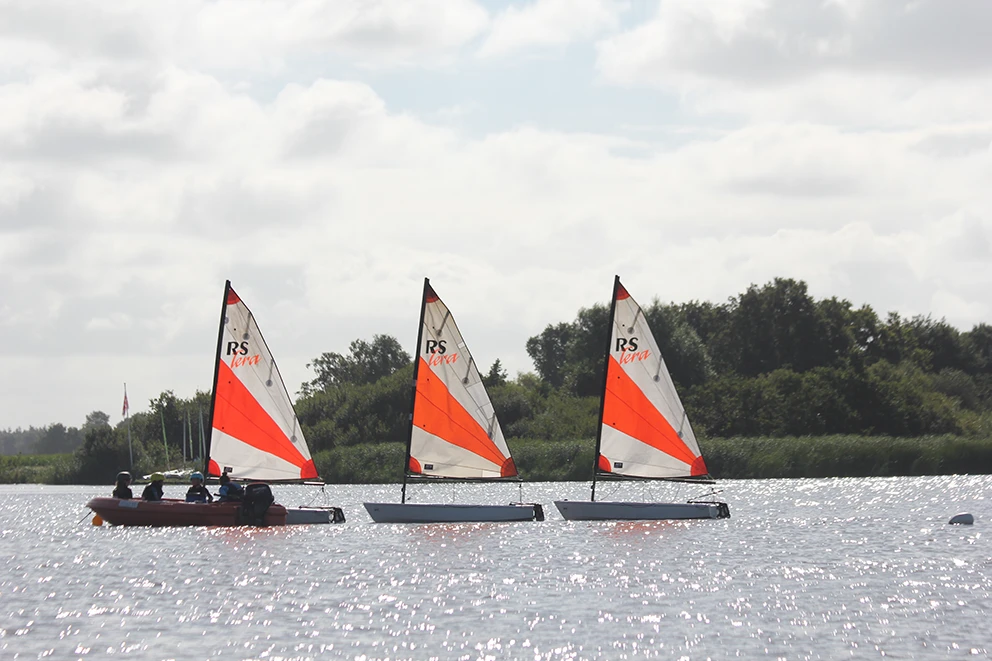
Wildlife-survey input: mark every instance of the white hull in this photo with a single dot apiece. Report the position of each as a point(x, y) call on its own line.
point(584, 510)
point(310, 515)
point(442, 513)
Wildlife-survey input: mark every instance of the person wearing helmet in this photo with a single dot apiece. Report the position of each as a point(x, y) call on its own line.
point(197, 492)
point(155, 490)
point(229, 491)
point(123, 488)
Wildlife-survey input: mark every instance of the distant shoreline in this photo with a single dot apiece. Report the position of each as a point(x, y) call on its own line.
point(571, 461)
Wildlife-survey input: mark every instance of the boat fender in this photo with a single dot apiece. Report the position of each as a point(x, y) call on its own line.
point(964, 519)
point(538, 512)
point(258, 498)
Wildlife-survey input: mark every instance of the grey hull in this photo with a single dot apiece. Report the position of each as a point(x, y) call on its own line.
point(310, 515)
point(443, 513)
point(584, 510)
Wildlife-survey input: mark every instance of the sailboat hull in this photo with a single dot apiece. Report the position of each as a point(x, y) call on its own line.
point(445, 513)
point(313, 515)
point(583, 510)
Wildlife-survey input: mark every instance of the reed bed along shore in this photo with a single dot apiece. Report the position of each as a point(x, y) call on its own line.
point(551, 461)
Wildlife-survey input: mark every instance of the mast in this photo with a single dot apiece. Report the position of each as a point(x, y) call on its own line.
point(606, 369)
point(127, 415)
point(213, 392)
point(413, 390)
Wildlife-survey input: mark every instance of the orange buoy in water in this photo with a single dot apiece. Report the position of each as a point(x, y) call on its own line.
point(97, 520)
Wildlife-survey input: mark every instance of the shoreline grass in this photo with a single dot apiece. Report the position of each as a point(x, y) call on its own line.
point(554, 461)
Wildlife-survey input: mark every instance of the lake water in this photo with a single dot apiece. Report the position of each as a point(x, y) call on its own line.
point(804, 569)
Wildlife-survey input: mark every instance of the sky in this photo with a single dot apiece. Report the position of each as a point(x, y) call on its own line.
point(327, 155)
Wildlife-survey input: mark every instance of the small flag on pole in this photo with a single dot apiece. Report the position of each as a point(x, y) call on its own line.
point(125, 409)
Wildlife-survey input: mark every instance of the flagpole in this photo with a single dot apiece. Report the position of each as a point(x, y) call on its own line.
point(127, 416)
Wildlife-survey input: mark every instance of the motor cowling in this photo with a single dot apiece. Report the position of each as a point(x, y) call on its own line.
point(257, 500)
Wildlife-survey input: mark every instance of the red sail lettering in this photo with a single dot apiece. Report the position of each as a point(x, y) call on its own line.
point(631, 356)
point(442, 359)
point(238, 361)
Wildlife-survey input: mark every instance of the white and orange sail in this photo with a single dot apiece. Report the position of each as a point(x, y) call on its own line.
point(255, 434)
point(454, 431)
point(644, 431)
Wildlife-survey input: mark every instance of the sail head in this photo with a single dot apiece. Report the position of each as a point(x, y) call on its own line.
point(255, 434)
point(645, 432)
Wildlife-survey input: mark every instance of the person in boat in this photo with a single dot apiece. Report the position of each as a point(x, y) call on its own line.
point(198, 493)
point(229, 491)
point(155, 489)
point(123, 488)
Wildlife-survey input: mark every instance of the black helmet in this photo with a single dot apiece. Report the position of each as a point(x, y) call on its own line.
point(123, 475)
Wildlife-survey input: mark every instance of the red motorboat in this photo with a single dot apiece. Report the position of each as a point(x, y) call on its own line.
point(253, 436)
point(170, 512)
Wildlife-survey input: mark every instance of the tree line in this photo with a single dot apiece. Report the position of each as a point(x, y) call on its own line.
point(772, 362)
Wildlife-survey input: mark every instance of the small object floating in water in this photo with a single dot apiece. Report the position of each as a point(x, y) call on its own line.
point(97, 520)
point(964, 518)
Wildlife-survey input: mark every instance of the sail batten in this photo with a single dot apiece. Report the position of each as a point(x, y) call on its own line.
point(454, 430)
point(255, 434)
point(644, 430)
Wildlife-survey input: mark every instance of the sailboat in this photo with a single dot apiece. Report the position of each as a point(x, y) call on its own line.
point(254, 436)
point(454, 433)
point(644, 432)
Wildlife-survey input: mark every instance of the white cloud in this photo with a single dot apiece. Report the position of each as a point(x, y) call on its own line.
point(550, 23)
point(238, 35)
point(857, 63)
point(140, 173)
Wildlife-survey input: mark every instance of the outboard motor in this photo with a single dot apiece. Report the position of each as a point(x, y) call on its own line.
point(258, 498)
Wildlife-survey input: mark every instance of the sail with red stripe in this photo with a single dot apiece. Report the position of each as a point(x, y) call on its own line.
point(455, 433)
point(644, 430)
point(255, 434)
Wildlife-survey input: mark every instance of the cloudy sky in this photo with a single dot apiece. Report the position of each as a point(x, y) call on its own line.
point(327, 155)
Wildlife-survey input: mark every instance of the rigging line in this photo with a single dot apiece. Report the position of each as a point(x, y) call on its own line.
point(639, 313)
point(440, 327)
point(682, 423)
point(616, 487)
point(712, 492)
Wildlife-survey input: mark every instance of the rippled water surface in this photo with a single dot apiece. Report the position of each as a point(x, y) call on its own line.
point(804, 569)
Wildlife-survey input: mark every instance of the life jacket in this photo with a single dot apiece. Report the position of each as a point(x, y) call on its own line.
point(153, 492)
point(231, 491)
point(197, 494)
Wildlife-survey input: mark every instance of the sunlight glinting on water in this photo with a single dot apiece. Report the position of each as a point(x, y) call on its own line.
point(804, 569)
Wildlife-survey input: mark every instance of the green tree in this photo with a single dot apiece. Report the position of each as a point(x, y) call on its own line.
point(101, 456)
point(366, 362)
point(778, 326)
point(95, 420)
point(549, 352)
point(496, 376)
point(980, 341)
